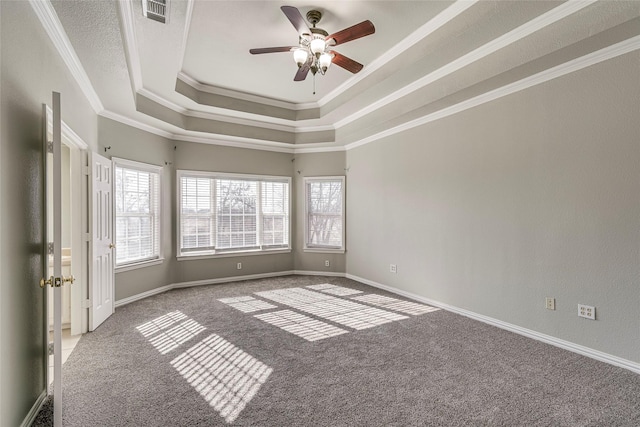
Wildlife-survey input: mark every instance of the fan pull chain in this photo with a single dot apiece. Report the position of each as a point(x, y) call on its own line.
point(314, 84)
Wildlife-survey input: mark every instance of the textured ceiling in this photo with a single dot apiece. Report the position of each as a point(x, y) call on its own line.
point(193, 77)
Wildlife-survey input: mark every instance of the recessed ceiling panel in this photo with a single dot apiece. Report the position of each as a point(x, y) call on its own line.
point(222, 32)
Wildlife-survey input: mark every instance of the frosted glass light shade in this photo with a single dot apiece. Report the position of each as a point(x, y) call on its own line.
point(324, 61)
point(317, 46)
point(300, 56)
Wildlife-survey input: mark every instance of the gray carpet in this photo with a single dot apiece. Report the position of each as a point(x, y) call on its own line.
point(223, 366)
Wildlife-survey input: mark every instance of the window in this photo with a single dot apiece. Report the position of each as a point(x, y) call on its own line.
point(137, 212)
point(228, 213)
point(324, 214)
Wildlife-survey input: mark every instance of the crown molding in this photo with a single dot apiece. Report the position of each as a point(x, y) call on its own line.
point(425, 30)
point(199, 137)
point(585, 61)
point(526, 29)
point(243, 96)
point(231, 119)
point(53, 27)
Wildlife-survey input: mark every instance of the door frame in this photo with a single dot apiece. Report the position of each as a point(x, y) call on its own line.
point(78, 151)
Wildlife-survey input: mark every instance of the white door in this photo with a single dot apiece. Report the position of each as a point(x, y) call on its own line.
point(102, 266)
point(53, 272)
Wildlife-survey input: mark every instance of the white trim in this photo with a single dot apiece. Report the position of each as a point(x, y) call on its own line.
point(143, 295)
point(318, 273)
point(258, 122)
point(311, 148)
point(324, 250)
point(201, 255)
point(242, 96)
point(136, 124)
point(143, 166)
point(53, 27)
point(156, 291)
point(425, 30)
point(215, 176)
point(159, 217)
point(556, 342)
point(319, 248)
point(69, 137)
point(35, 409)
point(137, 265)
point(483, 51)
point(585, 61)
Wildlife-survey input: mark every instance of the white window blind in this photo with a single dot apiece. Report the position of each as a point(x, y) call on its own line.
point(232, 213)
point(137, 211)
point(324, 219)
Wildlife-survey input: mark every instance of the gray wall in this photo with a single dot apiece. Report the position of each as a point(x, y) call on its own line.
point(202, 157)
point(493, 209)
point(309, 165)
point(30, 70)
point(134, 144)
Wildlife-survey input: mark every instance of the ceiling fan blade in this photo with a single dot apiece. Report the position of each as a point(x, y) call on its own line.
point(270, 50)
point(296, 19)
point(345, 62)
point(362, 29)
point(302, 73)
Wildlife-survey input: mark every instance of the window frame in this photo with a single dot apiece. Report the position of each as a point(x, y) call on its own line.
point(181, 255)
point(322, 248)
point(149, 168)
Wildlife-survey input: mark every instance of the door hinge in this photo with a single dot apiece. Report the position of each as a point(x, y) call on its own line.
point(50, 348)
point(86, 303)
point(50, 248)
point(87, 237)
point(50, 147)
point(85, 170)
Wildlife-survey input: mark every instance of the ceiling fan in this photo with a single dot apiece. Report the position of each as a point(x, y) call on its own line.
point(314, 51)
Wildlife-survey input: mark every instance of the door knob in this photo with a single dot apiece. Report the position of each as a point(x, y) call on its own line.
point(69, 279)
point(44, 282)
point(111, 246)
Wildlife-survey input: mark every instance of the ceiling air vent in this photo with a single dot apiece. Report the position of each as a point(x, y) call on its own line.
point(158, 10)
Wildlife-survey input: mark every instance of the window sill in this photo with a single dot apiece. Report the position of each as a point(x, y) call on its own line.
point(205, 255)
point(324, 250)
point(141, 264)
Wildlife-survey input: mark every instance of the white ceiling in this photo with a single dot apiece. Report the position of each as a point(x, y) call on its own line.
point(193, 77)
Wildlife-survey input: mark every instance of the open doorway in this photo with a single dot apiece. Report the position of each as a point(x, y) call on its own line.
point(74, 239)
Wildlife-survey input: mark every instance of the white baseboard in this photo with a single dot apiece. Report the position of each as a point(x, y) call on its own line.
point(31, 416)
point(567, 345)
point(319, 273)
point(557, 342)
point(156, 291)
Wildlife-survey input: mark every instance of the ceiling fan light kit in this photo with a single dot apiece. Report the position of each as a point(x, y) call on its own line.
point(314, 51)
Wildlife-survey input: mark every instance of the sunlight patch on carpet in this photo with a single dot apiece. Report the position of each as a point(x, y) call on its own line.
point(337, 310)
point(321, 286)
point(247, 304)
point(301, 325)
point(341, 292)
point(224, 375)
point(168, 332)
point(160, 323)
point(408, 307)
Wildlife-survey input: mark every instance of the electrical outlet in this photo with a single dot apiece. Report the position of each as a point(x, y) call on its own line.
point(239, 266)
point(393, 268)
point(586, 311)
point(550, 303)
point(327, 263)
